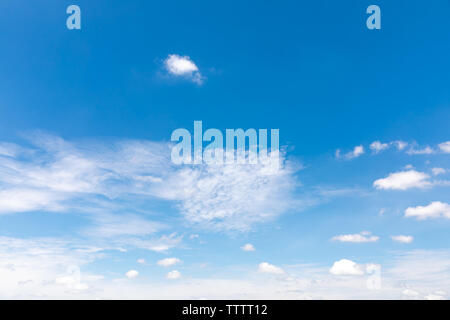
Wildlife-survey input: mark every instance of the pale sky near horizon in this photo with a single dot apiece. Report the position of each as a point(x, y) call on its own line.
point(91, 205)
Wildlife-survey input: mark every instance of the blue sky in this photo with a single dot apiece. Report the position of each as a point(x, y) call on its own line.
point(88, 192)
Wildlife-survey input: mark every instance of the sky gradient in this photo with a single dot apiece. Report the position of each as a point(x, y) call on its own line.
point(91, 205)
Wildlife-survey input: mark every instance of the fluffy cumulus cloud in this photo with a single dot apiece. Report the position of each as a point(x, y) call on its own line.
point(403, 180)
point(445, 147)
point(435, 209)
point(132, 274)
point(248, 247)
point(266, 267)
point(345, 267)
point(402, 239)
point(183, 66)
point(364, 236)
point(173, 275)
point(168, 262)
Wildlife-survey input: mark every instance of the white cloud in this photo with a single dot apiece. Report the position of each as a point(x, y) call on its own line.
point(400, 145)
point(173, 275)
point(160, 244)
point(346, 267)
point(39, 268)
point(355, 153)
point(141, 261)
point(438, 171)
point(445, 147)
point(26, 199)
point(94, 178)
point(360, 237)
point(435, 209)
point(403, 180)
point(29, 269)
point(168, 262)
point(183, 66)
point(248, 247)
point(265, 267)
point(132, 274)
point(402, 239)
point(426, 150)
point(57, 175)
point(72, 282)
point(377, 146)
point(410, 293)
point(112, 226)
point(434, 297)
point(228, 197)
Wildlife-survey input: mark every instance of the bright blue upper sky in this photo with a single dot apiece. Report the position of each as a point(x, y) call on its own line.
point(310, 68)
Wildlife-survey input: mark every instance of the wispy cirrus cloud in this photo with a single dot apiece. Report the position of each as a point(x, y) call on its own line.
point(56, 175)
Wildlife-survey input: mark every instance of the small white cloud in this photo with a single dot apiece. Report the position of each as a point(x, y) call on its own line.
point(426, 150)
point(377, 146)
point(173, 275)
point(355, 153)
point(248, 247)
point(132, 274)
point(403, 239)
point(269, 268)
point(438, 171)
point(72, 280)
point(400, 145)
point(346, 267)
point(358, 238)
point(435, 209)
point(410, 293)
point(141, 261)
point(434, 297)
point(445, 147)
point(403, 180)
point(168, 262)
point(183, 66)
